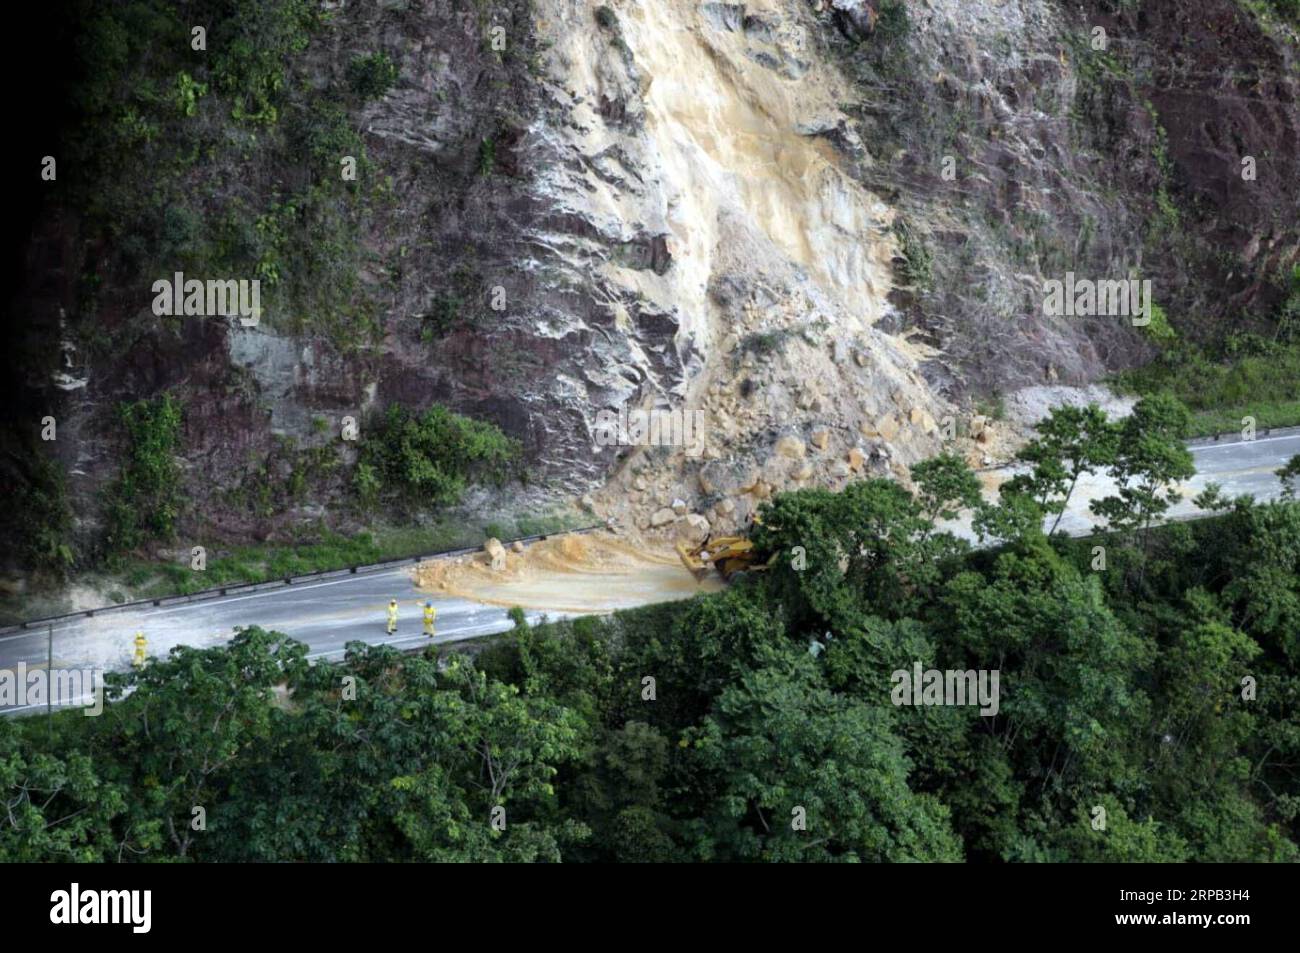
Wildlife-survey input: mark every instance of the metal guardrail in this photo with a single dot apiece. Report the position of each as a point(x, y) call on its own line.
point(218, 592)
point(1234, 436)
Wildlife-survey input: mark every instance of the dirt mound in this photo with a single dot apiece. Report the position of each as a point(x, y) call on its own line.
point(596, 572)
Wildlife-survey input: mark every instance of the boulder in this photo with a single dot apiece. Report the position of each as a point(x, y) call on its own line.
point(856, 19)
point(791, 447)
point(694, 529)
point(662, 517)
point(496, 554)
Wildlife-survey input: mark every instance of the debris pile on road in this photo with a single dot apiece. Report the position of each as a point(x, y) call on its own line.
point(594, 572)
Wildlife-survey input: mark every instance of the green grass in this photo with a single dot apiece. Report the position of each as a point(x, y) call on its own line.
point(264, 563)
point(150, 579)
point(1267, 415)
point(993, 406)
point(1256, 379)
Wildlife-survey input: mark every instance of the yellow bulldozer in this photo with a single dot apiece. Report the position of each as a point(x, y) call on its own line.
point(729, 555)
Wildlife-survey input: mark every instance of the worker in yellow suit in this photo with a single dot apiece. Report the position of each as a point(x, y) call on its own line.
point(430, 613)
point(140, 643)
point(392, 616)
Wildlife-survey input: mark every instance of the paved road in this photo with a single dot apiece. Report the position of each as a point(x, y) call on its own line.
point(1239, 466)
point(328, 614)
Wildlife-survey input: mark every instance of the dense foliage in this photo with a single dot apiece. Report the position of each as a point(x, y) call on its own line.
point(1148, 704)
point(428, 459)
point(143, 502)
point(244, 150)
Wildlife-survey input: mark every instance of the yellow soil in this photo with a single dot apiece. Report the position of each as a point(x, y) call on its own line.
point(595, 572)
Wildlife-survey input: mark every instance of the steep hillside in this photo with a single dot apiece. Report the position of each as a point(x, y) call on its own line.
point(823, 226)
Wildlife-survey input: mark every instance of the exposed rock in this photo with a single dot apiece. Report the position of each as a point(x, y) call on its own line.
point(790, 447)
point(694, 529)
point(855, 18)
point(634, 222)
point(662, 517)
point(496, 554)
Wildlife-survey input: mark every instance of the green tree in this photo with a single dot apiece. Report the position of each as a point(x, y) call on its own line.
point(945, 486)
point(805, 774)
point(1069, 442)
point(189, 722)
point(1121, 840)
point(1150, 461)
point(58, 808)
point(1288, 474)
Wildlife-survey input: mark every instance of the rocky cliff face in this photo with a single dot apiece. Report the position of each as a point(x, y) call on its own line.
point(1103, 138)
point(823, 224)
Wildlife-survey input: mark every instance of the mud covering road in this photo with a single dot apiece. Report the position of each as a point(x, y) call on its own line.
point(596, 572)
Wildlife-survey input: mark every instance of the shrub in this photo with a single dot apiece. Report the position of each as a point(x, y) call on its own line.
point(43, 516)
point(893, 22)
point(487, 157)
point(372, 76)
point(606, 18)
point(144, 501)
point(431, 459)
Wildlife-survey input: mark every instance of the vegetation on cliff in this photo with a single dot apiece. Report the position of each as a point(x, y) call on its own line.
point(1147, 708)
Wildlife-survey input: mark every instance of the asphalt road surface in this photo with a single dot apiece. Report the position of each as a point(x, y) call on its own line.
point(326, 615)
point(1240, 467)
point(332, 612)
